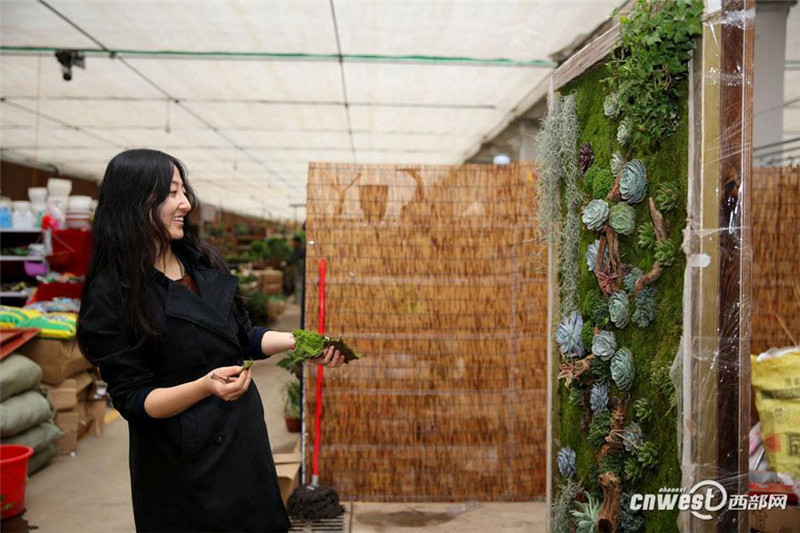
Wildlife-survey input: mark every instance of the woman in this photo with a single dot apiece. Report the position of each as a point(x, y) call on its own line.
point(166, 323)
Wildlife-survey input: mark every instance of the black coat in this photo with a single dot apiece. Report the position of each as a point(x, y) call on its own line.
point(209, 468)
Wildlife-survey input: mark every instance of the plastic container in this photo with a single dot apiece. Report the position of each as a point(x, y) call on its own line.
point(13, 478)
point(59, 187)
point(37, 195)
point(22, 218)
point(79, 203)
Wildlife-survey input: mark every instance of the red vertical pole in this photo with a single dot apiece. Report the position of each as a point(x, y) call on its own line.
point(320, 372)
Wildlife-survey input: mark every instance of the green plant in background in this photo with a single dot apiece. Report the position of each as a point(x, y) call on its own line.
point(633, 182)
point(258, 250)
point(642, 410)
point(586, 515)
point(665, 253)
point(599, 181)
point(614, 463)
point(667, 197)
point(575, 395)
point(660, 380)
point(599, 427)
point(569, 263)
point(623, 369)
point(256, 304)
point(657, 40)
point(618, 309)
point(560, 521)
point(587, 334)
point(293, 399)
point(647, 236)
point(595, 214)
point(622, 218)
point(241, 229)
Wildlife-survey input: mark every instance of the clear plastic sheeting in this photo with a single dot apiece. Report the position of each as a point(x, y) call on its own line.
point(248, 93)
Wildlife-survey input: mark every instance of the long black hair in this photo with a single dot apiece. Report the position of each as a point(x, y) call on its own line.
point(128, 233)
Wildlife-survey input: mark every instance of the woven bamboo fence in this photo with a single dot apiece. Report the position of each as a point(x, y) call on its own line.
point(776, 257)
point(435, 275)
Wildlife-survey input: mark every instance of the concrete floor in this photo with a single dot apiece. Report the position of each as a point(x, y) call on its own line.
point(89, 492)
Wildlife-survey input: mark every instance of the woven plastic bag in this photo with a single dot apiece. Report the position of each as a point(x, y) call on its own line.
point(776, 382)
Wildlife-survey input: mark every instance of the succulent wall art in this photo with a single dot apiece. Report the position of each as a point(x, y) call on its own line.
point(620, 275)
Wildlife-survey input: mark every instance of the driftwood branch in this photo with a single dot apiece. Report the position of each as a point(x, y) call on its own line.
point(608, 272)
point(609, 518)
point(572, 371)
point(661, 230)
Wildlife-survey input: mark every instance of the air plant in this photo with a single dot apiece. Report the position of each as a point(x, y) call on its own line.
point(587, 514)
point(604, 345)
point(599, 397)
point(623, 369)
point(569, 264)
point(568, 335)
point(647, 236)
point(633, 182)
point(667, 197)
point(611, 105)
point(622, 218)
point(560, 520)
point(551, 173)
point(595, 214)
point(665, 253)
point(618, 309)
point(585, 157)
point(566, 462)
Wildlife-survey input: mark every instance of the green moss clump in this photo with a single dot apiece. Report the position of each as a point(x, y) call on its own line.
point(614, 463)
point(587, 334)
point(309, 345)
point(599, 428)
point(602, 184)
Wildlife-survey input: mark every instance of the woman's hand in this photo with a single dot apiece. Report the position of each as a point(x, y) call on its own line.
point(224, 383)
point(330, 357)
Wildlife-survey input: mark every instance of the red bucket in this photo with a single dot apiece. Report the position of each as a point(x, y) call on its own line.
point(13, 476)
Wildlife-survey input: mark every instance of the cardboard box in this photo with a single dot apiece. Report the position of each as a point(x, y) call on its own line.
point(68, 422)
point(96, 415)
point(288, 468)
point(776, 520)
point(73, 389)
point(59, 359)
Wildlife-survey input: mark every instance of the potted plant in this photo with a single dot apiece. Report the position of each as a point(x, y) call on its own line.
point(292, 406)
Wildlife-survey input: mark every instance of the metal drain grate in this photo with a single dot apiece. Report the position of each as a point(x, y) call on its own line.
point(340, 524)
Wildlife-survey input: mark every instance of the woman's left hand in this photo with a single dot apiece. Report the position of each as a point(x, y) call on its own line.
point(331, 358)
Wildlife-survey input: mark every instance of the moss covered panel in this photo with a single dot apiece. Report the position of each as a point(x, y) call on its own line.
point(654, 347)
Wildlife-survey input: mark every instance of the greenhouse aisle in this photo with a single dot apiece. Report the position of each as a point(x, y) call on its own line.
point(90, 491)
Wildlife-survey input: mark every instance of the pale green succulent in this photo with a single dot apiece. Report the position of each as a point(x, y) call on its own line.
point(665, 253)
point(645, 307)
point(595, 214)
point(617, 163)
point(647, 236)
point(667, 197)
point(630, 279)
point(587, 514)
point(611, 105)
point(618, 309)
point(622, 218)
point(604, 345)
point(624, 132)
point(633, 183)
point(598, 398)
point(623, 369)
point(566, 460)
point(568, 335)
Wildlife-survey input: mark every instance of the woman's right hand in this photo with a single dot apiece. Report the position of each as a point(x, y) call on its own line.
point(224, 383)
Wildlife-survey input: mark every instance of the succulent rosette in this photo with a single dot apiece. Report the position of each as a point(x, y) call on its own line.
point(568, 335)
point(595, 214)
point(567, 461)
point(623, 369)
point(618, 308)
point(604, 345)
point(622, 218)
point(633, 182)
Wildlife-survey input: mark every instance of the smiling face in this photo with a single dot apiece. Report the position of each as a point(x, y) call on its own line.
point(174, 207)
